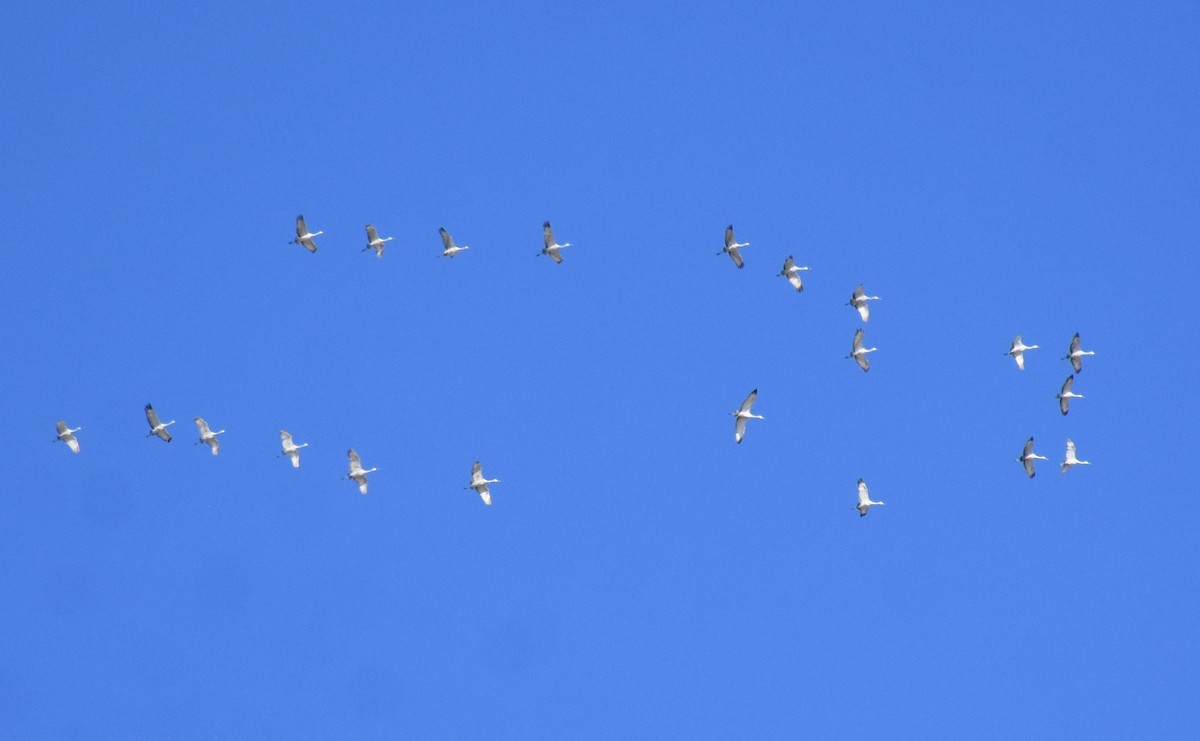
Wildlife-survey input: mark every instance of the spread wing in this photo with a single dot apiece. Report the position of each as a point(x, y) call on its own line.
point(547, 234)
point(286, 438)
point(476, 473)
point(1020, 358)
point(372, 234)
point(151, 416)
point(1027, 449)
point(61, 426)
point(739, 429)
point(1077, 363)
point(484, 494)
point(749, 402)
point(72, 443)
point(309, 244)
point(201, 425)
point(858, 341)
point(794, 279)
point(1028, 462)
point(1074, 345)
point(557, 258)
point(301, 227)
point(863, 310)
point(447, 240)
point(863, 495)
point(729, 240)
point(356, 468)
point(735, 256)
point(862, 361)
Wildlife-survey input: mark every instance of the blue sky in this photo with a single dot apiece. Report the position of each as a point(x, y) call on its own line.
point(988, 170)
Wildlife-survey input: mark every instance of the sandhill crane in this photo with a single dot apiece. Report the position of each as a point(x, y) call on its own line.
point(1018, 351)
point(859, 300)
point(1071, 460)
point(1028, 457)
point(304, 237)
point(450, 249)
point(67, 435)
point(291, 449)
point(791, 271)
point(375, 242)
point(357, 473)
point(551, 247)
point(207, 436)
point(732, 247)
point(480, 484)
point(157, 428)
point(1075, 355)
point(1065, 395)
point(742, 414)
point(859, 353)
point(864, 499)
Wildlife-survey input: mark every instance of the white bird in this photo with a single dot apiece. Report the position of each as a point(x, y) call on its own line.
point(1071, 460)
point(1065, 395)
point(864, 499)
point(742, 414)
point(1018, 351)
point(859, 353)
point(480, 484)
point(67, 435)
point(1075, 355)
point(357, 473)
point(551, 247)
point(375, 242)
point(207, 436)
point(158, 428)
point(732, 247)
point(859, 301)
point(449, 248)
point(291, 449)
point(791, 271)
point(1028, 457)
point(304, 237)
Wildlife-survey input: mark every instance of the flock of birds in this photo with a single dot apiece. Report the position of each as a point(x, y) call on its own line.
point(859, 300)
point(1075, 354)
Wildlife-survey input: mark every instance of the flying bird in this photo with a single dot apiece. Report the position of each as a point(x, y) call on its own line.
point(859, 300)
point(742, 414)
point(67, 435)
point(375, 242)
point(1071, 460)
point(480, 484)
point(291, 449)
point(791, 271)
point(551, 247)
point(1018, 351)
point(450, 249)
point(357, 474)
point(1028, 457)
point(304, 237)
point(732, 247)
point(207, 436)
point(859, 353)
point(1075, 355)
point(157, 428)
point(864, 499)
point(1065, 395)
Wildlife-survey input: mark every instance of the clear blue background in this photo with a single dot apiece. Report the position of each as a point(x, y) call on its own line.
point(988, 169)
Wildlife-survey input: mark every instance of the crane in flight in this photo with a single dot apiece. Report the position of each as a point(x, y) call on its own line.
point(1028, 457)
point(67, 435)
point(480, 484)
point(357, 473)
point(552, 247)
point(158, 429)
point(291, 449)
point(1017, 351)
point(732, 246)
point(375, 242)
point(791, 271)
point(207, 436)
point(449, 248)
point(742, 414)
point(304, 237)
point(864, 499)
